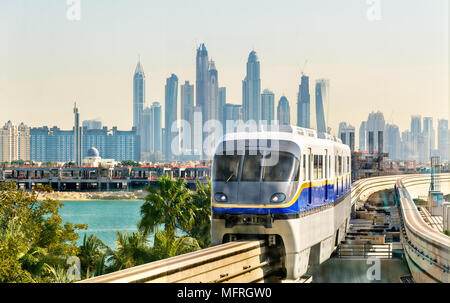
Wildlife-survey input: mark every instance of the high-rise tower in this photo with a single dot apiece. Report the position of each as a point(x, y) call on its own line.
point(201, 81)
point(138, 93)
point(251, 90)
point(322, 86)
point(78, 136)
point(268, 106)
point(171, 110)
point(212, 104)
point(303, 103)
point(284, 112)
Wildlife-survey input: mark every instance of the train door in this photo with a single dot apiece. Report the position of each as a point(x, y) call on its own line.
point(326, 174)
point(310, 165)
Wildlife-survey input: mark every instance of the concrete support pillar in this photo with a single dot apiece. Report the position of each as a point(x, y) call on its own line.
point(446, 215)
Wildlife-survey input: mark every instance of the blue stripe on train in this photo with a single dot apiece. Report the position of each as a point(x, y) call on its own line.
point(317, 197)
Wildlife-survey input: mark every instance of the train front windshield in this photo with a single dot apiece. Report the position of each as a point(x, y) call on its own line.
point(273, 166)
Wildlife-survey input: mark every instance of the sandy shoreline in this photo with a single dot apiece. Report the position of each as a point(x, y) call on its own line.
point(95, 196)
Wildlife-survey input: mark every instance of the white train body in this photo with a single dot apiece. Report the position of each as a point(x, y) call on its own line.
point(290, 186)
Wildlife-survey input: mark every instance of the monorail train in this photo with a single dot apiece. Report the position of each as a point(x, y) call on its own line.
point(289, 186)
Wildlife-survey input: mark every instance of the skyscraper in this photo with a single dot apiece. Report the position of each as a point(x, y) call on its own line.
point(283, 111)
point(78, 137)
point(429, 137)
point(251, 90)
point(393, 142)
point(416, 133)
point(375, 132)
point(222, 102)
point(212, 105)
point(186, 100)
point(443, 139)
point(171, 97)
point(268, 106)
point(138, 93)
point(145, 132)
point(322, 87)
point(92, 124)
point(156, 143)
point(201, 81)
point(231, 113)
point(303, 103)
point(14, 142)
point(362, 136)
point(347, 134)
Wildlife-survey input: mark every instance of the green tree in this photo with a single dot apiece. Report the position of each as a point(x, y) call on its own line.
point(32, 236)
point(92, 256)
point(171, 205)
point(129, 163)
point(165, 246)
point(132, 250)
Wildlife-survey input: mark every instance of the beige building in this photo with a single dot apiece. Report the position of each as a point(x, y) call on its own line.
point(14, 142)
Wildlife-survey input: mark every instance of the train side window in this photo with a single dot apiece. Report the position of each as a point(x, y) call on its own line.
point(304, 167)
point(326, 167)
point(348, 164)
point(316, 166)
point(320, 166)
point(340, 165)
point(297, 170)
point(329, 166)
point(335, 166)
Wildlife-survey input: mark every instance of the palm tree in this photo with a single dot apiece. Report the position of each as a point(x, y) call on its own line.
point(164, 246)
point(201, 229)
point(171, 206)
point(132, 250)
point(92, 252)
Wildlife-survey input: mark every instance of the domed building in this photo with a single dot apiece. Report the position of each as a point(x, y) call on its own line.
point(93, 159)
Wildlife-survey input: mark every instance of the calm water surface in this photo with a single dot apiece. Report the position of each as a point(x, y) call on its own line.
point(104, 218)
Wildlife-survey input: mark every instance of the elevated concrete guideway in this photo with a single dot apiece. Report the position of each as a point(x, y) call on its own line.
point(252, 261)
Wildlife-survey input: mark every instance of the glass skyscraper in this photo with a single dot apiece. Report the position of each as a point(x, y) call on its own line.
point(251, 90)
point(212, 104)
point(171, 97)
point(201, 81)
point(268, 106)
point(284, 111)
point(138, 93)
point(322, 86)
point(303, 103)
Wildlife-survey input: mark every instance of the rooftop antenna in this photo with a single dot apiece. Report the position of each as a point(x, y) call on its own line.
point(303, 68)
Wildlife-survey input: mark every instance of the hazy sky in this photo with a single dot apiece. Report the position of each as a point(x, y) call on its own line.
point(398, 64)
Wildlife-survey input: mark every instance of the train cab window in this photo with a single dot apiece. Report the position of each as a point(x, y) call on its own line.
point(304, 168)
point(251, 168)
point(285, 169)
point(226, 168)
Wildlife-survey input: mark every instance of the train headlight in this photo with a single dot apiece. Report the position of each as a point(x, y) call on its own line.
point(278, 197)
point(220, 197)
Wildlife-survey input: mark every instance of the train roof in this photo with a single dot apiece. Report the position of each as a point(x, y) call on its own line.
point(282, 132)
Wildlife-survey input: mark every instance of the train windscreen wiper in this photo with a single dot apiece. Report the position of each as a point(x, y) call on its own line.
point(229, 178)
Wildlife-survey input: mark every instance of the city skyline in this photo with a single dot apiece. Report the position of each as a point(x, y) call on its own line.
point(79, 68)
